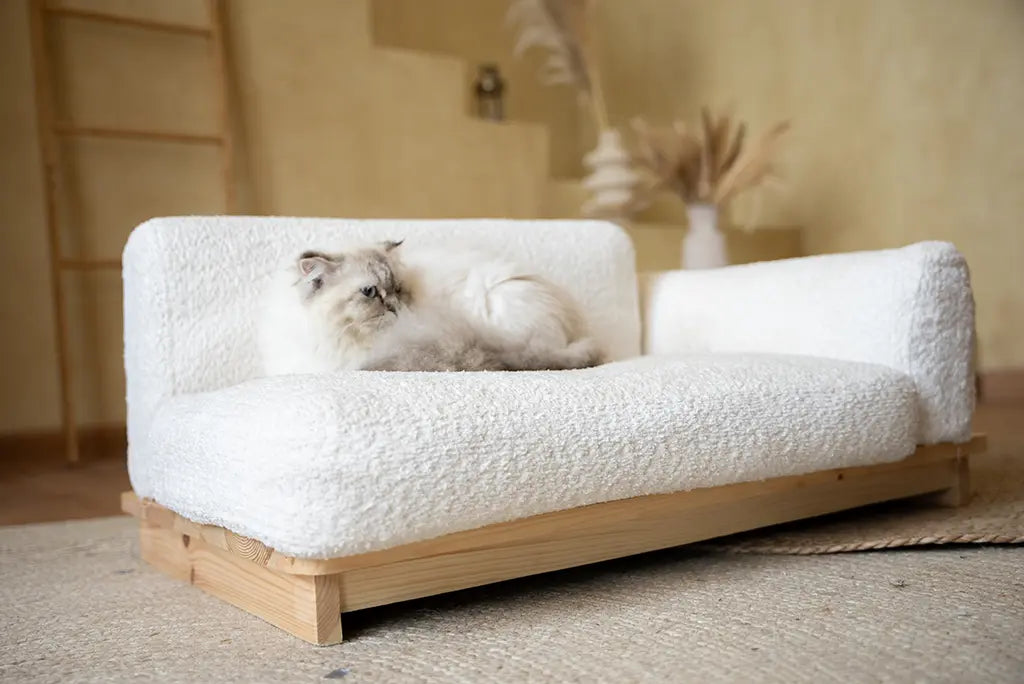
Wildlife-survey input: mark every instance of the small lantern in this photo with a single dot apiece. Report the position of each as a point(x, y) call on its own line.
point(490, 89)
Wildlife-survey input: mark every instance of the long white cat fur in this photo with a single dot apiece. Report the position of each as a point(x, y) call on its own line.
point(452, 309)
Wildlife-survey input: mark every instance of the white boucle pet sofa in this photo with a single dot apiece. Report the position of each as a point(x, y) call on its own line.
point(735, 398)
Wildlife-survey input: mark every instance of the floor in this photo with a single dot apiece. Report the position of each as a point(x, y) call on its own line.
point(40, 487)
point(937, 615)
point(942, 614)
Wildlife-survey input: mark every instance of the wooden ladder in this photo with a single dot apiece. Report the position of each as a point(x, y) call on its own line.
point(51, 130)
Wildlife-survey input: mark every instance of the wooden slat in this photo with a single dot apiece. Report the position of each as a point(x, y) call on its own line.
point(51, 179)
point(131, 505)
point(796, 495)
point(124, 20)
point(68, 130)
point(640, 527)
point(305, 606)
point(90, 264)
point(960, 493)
point(308, 603)
point(599, 516)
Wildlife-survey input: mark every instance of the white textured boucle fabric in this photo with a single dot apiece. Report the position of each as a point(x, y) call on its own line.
point(910, 309)
point(337, 464)
point(192, 286)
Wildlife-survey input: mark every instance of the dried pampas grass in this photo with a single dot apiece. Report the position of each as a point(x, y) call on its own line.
point(710, 166)
point(560, 28)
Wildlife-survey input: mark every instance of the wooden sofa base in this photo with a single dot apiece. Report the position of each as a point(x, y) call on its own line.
point(306, 597)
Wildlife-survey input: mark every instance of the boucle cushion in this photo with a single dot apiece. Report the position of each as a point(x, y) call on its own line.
point(192, 286)
point(338, 464)
point(910, 309)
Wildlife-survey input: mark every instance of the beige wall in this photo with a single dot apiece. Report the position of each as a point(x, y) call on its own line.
point(26, 340)
point(106, 76)
point(906, 113)
point(328, 125)
point(908, 117)
point(477, 32)
point(334, 126)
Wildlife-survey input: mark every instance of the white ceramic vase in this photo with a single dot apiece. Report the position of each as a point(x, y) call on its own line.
point(704, 245)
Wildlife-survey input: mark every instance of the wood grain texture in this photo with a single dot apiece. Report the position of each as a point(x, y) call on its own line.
point(306, 596)
point(305, 606)
point(637, 527)
point(629, 515)
point(960, 493)
point(852, 487)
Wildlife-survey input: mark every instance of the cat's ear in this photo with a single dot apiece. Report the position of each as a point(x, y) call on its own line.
point(313, 264)
point(391, 245)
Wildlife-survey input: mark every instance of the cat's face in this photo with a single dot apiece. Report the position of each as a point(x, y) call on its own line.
point(358, 292)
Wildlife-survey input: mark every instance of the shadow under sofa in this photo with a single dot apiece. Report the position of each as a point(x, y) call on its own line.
point(734, 399)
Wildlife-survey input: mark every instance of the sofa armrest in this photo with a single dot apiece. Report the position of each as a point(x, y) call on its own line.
point(910, 309)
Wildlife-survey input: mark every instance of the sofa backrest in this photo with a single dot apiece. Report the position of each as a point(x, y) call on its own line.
point(192, 286)
point(910, 309)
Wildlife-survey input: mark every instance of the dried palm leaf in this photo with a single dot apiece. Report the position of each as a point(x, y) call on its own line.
point(657, 157)
point(689, 154)
point(733, 153)
point(559, 28)
point(711, 166)
point(655, 149)
point(752, 168)
point(706, 163)
point(709, 155)
point(720, 136)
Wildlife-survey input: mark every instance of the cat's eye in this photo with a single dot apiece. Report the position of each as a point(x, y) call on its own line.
point(369, 291)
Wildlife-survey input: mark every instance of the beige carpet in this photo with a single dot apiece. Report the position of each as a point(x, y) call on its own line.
point(78, 606)
point(995, 515)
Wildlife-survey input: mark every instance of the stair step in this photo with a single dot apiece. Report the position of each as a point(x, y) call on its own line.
point(476, 33)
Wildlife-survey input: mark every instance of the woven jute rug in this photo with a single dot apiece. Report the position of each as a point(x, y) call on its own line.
point(79, 606)
point(994, 515)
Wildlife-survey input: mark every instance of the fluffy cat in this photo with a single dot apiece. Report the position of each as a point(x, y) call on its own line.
point(369, 309)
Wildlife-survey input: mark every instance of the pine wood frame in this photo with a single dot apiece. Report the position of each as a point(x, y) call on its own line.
point(306, 597)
